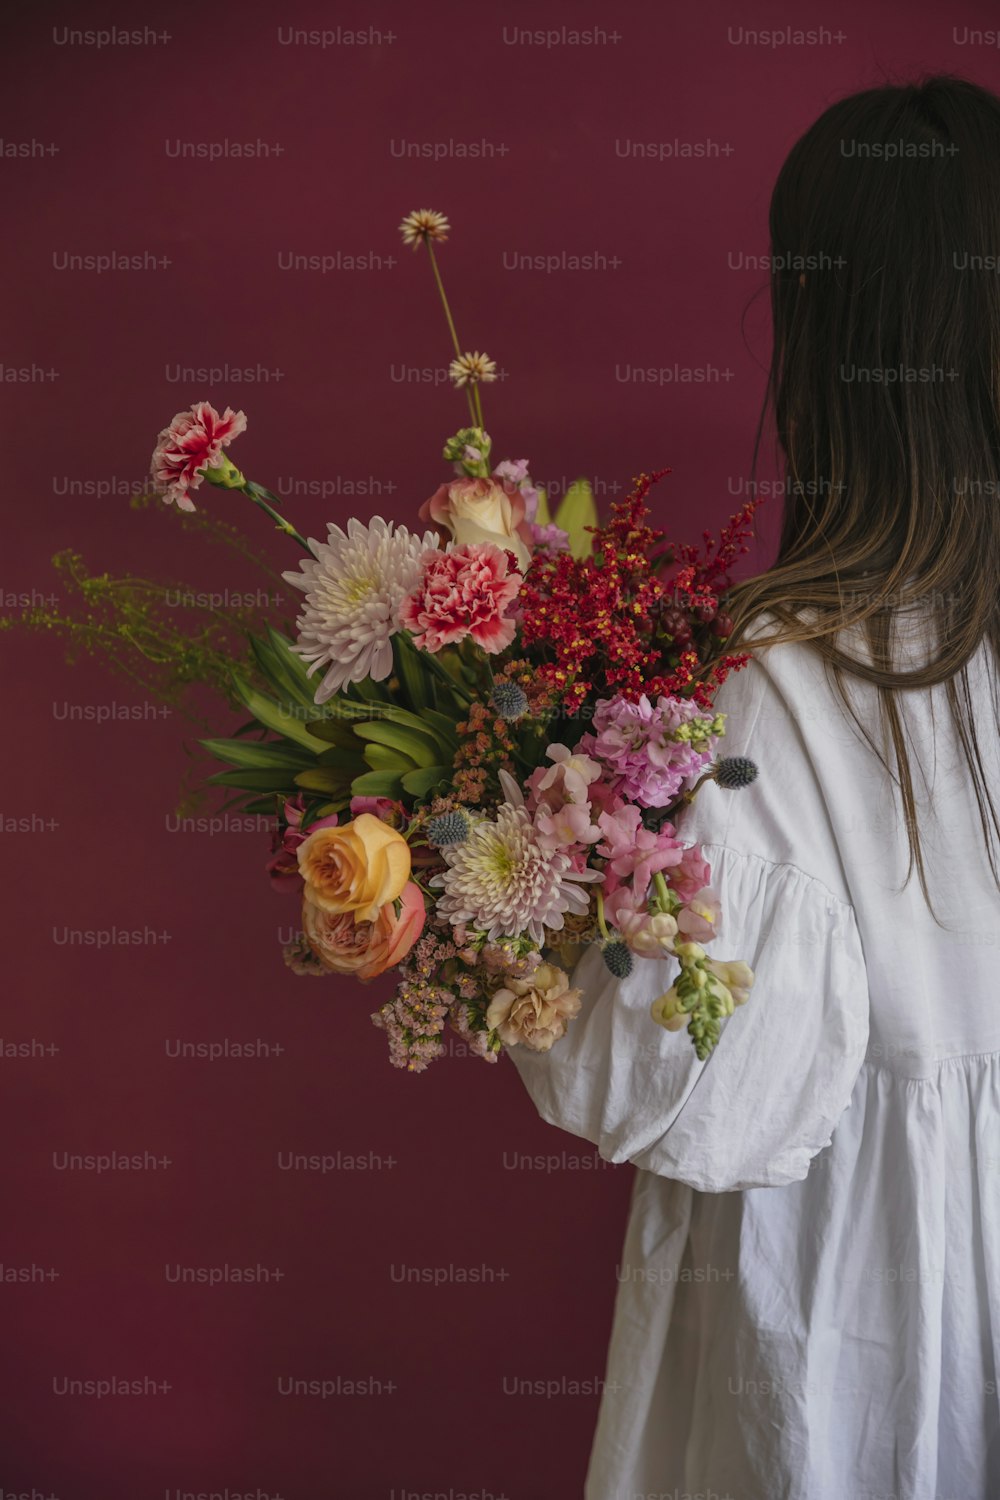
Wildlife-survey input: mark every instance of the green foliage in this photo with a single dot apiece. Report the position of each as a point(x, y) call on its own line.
point(577, 510)
point(165, 639)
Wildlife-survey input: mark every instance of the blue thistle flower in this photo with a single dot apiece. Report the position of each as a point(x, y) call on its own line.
point(735, 771)
point(618, 958)
point(510, 701)
point(448, 828)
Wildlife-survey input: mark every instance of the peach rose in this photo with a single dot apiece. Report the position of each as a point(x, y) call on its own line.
point(481, 510)
point(534, 1010)
point(362, 948)
point(358, 868)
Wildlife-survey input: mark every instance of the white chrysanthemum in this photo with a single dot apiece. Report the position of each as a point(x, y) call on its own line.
point(500, 882)
point(354, 584)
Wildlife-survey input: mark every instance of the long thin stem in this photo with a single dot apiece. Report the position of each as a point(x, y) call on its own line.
point(601, 921)
point(475, 407)
point(254, 493)
point(444, 299)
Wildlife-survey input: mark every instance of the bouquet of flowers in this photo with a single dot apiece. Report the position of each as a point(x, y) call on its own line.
point(478, 739)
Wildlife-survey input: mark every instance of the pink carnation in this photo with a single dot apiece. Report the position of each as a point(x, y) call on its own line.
point(462, 592)
point(194, 440)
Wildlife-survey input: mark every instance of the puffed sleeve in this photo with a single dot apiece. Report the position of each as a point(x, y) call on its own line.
point(766, 1100)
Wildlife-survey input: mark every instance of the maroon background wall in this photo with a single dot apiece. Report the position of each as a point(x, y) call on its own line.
point(89, 1288)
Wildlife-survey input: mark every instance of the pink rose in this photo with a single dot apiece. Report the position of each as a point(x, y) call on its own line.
point(194, 440)
point(365, 949)
point(481, 510)
point(463, 592)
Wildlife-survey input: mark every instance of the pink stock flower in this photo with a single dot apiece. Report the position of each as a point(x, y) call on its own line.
point(550, 536)
point(283, 866)
point(194, 440)
point(514, 473)
point(633, 852)
point(636, 742)
point(462, 592)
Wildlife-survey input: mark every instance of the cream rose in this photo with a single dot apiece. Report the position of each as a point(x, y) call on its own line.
point(534, 1010)
point(480, 510)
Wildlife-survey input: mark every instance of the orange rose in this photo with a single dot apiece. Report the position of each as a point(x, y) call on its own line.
point(358, 868)
point(364, 949)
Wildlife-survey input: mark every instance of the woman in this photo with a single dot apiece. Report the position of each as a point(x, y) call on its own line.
point(808, 1303)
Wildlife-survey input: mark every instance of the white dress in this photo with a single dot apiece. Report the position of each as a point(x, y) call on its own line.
point(808, 1299)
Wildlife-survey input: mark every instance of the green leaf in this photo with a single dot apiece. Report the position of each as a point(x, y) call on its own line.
point(428, 725)
point(377, 784)
point(343, 760)
point(384, 758)
point(336, 726)
point(370, 692)
point(284, 669)
point(413, 745)
point(261, 754)
point(543, 516)
point(443, 727)
point(324, 779)
point(252, 780)
point(275, 716)
point(576, 511)
point(413, 678)
point(260, 805)
point(419, 783)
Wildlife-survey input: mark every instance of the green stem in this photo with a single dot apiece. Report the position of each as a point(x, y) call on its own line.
point(253, 492)
point(689, 795)
point(444, 299)
point(471, 395)
point(660, 886)
point(601, 922)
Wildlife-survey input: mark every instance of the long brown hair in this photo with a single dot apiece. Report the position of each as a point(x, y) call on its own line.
point(885, 245)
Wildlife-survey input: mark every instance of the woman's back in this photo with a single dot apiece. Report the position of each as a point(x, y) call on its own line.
point(834, 1329)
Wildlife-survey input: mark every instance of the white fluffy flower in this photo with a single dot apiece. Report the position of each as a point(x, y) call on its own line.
point(501, 882)
point(354, 584)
